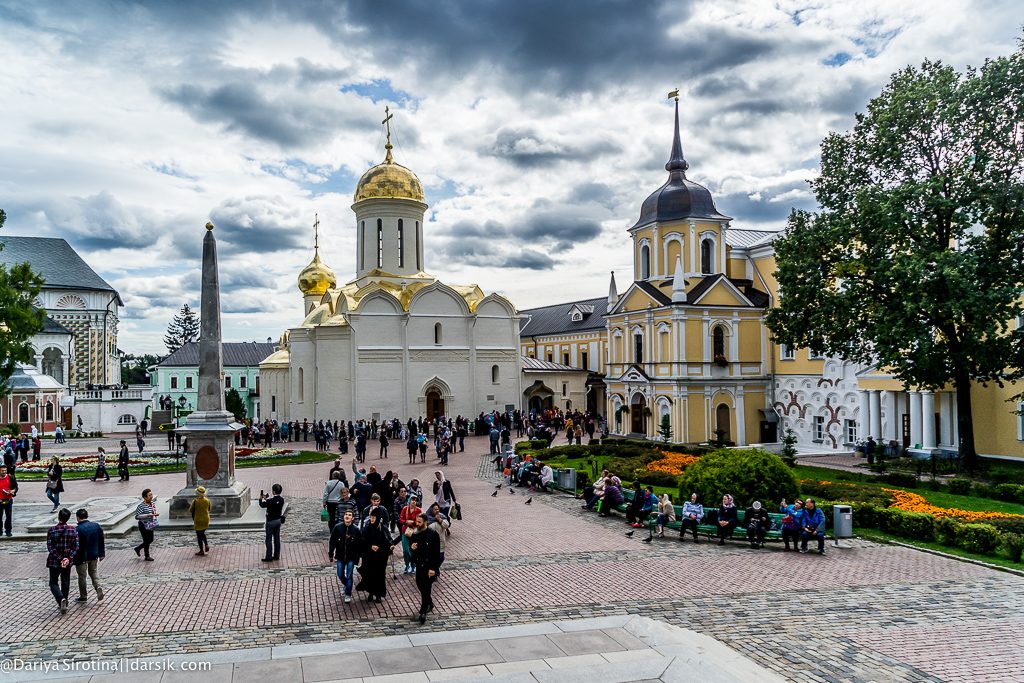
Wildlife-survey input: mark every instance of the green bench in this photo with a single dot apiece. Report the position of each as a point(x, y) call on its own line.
point(711, 530)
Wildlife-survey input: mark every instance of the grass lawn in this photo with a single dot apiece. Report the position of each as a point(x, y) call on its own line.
point(999, 559)
point(300, 458)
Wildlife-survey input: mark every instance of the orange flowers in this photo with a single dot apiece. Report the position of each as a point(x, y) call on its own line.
point(912, 502)
point(672, 463)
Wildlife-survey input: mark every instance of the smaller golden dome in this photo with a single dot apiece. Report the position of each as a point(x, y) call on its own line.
point(316, 278)
point(389, 180)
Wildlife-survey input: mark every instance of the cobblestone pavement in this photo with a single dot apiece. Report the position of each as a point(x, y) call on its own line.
point(865, 612)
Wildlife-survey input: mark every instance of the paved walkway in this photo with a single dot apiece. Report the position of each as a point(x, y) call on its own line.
point(861, 613)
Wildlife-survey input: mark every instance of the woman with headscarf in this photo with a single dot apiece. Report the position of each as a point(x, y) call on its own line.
point(666, 514)
point(199, 509)
point(376, 549)
point(407, 522)
point(612, 496)
point(727, 518)
point(444, 496)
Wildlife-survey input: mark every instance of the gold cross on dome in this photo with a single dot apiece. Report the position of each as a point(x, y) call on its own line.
point(316, 232)
point(387, 122)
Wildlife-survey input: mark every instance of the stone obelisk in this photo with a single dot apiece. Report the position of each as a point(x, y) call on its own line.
point(211, 428)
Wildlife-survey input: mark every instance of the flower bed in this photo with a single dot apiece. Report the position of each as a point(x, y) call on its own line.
point(912, 502)
point(87, 463)
point(262, 453)
point(672, 463)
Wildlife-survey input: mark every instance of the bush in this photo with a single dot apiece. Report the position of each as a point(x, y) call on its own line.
point(844, 491)
point(984, 491)
point(978, 538)
point(918, 526)
point(1009, 492)
point(568, 452)
point(1011, 525)
point(945, 530)
point(534, 445)
point(659, 479)
point(749, 474)
point(1014, 546)
point(865, 515)
point(903, 479)
point(934, 485)
point(960, 486)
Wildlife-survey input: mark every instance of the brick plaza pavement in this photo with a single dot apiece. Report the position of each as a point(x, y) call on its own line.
point(870, 612)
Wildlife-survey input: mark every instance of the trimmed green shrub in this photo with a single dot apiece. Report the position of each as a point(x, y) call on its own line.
point(904, 479)
point(918, 526)
point(534, 445)
point(978, 538)
point(945, 531)
point(934, 485)
point(865, 515)
point(659, 479)
point(1012, 525)
point(748, 474)
point(844, 491)
point(960, 486)
point(1013, 544)
point(984, 491)
point(1007, 492)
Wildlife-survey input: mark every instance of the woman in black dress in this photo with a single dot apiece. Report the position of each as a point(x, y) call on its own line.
point(376, 549)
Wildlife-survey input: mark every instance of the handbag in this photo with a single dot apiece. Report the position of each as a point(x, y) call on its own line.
point(324, 516)
point(150, 524)
point(457, 511)
point(51, 484)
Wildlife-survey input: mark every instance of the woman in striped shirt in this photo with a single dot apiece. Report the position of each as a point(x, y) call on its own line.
point(148, 519)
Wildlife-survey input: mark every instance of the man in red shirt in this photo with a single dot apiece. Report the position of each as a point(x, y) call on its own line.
point(8, 490)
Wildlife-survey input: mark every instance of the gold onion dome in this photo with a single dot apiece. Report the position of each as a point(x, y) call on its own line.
point(317, 277)
point(389, 180)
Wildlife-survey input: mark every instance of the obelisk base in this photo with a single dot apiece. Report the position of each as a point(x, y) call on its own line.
point(230, 502)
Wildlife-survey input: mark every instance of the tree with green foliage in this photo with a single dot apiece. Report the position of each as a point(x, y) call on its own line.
point(20, 320)
point(748, 474)
point(184, 328)
point(134, 368)
point(233, 403)
point(665, 428)
point(913, 262)
point(789, 447)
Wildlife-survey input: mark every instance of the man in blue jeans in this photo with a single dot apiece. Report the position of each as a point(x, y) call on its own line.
point(813, 522)
point(345, 548)
point(274, 506)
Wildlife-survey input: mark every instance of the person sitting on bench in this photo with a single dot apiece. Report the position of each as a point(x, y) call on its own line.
point(591, 494)
point(758, 523)
point(693, 513)
point(813, 521)
point(727, 519)
point(612, 496)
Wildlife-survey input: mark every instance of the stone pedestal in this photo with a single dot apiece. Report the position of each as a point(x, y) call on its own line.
point(211, 464)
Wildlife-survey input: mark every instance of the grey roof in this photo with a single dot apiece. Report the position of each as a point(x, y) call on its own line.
point(536, 364)
point(739, 237)
point(27, 377)
point(554, 319)
point(236, 355)
point(51, 326)
point(654, 292)
point(55, 261)
point(758, 298)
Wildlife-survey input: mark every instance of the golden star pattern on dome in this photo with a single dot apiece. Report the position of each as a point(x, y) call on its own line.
point(317, 277)
point(389, 180)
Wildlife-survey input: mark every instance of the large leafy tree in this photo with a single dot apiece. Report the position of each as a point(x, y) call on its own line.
point(184, 328)
point(133, 368)
point(915, 259)
point(19, 318)
point(233, 403)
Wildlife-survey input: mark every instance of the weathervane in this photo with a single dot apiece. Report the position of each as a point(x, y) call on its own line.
point(674, 94)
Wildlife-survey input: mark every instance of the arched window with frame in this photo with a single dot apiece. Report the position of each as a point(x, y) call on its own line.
point(401, 244)
point(49, 411)
point(380, 243)
point(302, 383)
point(638, 348)
point(437, 333)
point(362, 245)
point(22, 412)
point(495, 374)
point(645, 262)
point(417, 245)
point(718, 343)
point(706, 253)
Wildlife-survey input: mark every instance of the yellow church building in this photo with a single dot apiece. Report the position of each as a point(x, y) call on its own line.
point(687, 340)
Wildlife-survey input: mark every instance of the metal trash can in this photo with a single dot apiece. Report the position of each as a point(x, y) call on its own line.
point(842, 521)
point(566, 478)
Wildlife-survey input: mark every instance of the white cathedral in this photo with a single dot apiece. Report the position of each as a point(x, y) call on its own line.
point(394, 341)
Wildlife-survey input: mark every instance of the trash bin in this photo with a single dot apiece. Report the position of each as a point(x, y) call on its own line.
point(566, 478)
point(842, 521)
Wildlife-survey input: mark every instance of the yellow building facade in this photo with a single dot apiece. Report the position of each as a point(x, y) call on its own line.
point(687, 340)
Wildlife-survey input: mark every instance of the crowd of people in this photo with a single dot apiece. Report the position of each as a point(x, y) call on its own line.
point(801, 521)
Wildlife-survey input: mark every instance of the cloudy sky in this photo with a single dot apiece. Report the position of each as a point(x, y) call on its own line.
point(537, 127)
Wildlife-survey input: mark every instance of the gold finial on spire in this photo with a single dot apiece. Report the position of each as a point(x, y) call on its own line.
point(387, 128)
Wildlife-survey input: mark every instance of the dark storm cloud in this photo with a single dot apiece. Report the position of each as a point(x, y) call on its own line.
point(527, 148)
point(99, 221)
point(257, 225)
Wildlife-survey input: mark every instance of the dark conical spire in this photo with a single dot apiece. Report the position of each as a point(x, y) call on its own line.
point(676, 161)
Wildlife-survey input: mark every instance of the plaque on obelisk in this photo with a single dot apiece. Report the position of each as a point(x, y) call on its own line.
point(211, 429)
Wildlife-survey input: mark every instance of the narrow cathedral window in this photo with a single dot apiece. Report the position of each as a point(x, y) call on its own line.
point(380, 243)
point(645, 262)
point(494, 374)
point(23, 412)
point(401, 245)
point(705, 257)
point(417, 245)
point(362, 245)
point(718, 342)
point(638, 348)
point(437, 333)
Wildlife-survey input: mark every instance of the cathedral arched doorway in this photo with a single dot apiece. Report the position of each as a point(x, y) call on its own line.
point(722, 423)
point(435, 404)
point(637, 417)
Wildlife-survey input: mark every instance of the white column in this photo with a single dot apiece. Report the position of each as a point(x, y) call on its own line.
point(875, 411)
point(895, 421)
point(864, 422)
point(67, 377)
point(915, 418)
point(741, 422)
point(884, 404)
point(927, 420)
point(946, 419)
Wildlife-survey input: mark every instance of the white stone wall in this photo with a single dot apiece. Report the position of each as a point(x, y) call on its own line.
point(103, 414)
point(832, 395)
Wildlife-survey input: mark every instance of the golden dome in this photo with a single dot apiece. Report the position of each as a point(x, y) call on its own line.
point(316, 278)
point(389, 180)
